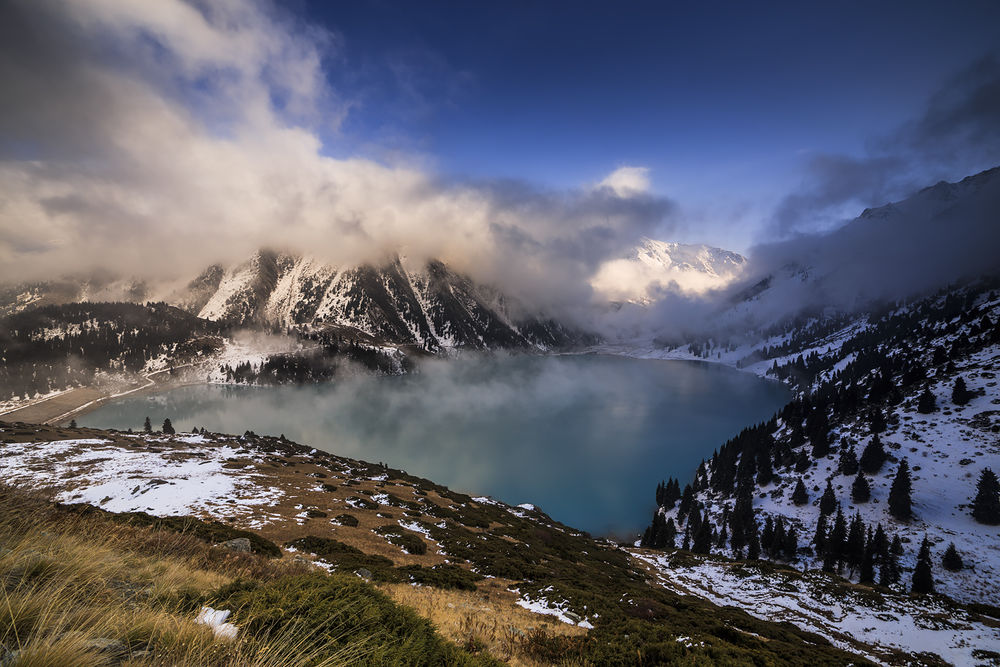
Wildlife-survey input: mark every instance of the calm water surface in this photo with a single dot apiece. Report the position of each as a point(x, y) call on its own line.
point(585, 438)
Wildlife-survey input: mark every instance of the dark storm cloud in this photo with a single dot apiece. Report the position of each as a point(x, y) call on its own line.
point(958, 132)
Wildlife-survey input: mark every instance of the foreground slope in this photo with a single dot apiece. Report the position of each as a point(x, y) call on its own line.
point(595, 601)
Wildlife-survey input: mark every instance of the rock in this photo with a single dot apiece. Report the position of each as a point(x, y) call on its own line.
point(576, 618)
point(364, 574)
point(240, 544)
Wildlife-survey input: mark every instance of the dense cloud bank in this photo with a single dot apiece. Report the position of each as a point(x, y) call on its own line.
point(161, 137)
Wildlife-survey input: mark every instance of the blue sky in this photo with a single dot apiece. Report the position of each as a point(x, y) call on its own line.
point(724, 102)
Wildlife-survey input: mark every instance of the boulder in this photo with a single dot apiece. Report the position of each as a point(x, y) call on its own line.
point(240, 544)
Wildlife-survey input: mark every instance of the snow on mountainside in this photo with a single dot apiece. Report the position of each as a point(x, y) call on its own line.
point(429, 306)
point(655, 266)
point(842, 369)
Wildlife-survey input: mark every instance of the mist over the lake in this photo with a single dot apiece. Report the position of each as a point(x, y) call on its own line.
point(585, 438)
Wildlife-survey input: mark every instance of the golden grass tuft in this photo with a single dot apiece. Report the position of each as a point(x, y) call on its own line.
point(487, 620)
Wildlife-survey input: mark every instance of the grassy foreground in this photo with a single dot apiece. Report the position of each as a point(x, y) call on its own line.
point(80, 589)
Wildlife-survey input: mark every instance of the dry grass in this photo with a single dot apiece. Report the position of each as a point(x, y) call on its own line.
point(484, 620)
point(80, 591)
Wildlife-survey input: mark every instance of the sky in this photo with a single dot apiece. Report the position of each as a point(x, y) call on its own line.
point(524, 143)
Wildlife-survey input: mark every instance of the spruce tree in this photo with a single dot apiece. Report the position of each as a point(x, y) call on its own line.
point(819, 537)
point(873, 456)
point(828, 502)
point(168, 428)
point(686, 500)
point(791, 545)
point(802, 461)
point(926, 402)
point(986, 504)
point(767, 535)
point(686, 545)
point(799, 495)
point(952, 560)
point(147, 426)
point(836, 543)
point(900, 502)
point(877, 420)
point(867, 571)
point(854, 547)
point(72, 423)
point(861, 490)
point(923, 579)
point(848, 460)
point(703, 538)
point(753, 541)
point(890, 572)
point(960, 394)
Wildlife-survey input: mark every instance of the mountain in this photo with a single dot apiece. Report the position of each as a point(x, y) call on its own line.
point(654, 266)
point(428, 306)
point(944, 233)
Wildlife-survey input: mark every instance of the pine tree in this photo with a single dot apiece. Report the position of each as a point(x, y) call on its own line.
point(799, 495)
point(802, 461)
point(848, 460)
point(877, 420)
point(819, 537)
point(686, 499)
point(836, 543)
point(926, 402)
point(791, 545)
point(765, 470)
point(703, 538)
point(873, 456)
point(986, 504)
point(778, 542)
point(767, 535)
point(168, 428)
point(753, 541)
point(960, 394)
point(900, 503)
point(147, 426)
point(854, 547)
point(686, 545)
point(923, 580)
point(867, 572)
point(891, 571)
point(952, 560)
point(828, 502)
point(861, 490)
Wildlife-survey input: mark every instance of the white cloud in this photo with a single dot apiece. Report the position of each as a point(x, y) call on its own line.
point(627, 181)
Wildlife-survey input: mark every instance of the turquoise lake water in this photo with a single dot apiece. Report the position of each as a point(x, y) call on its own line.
point(585, 438)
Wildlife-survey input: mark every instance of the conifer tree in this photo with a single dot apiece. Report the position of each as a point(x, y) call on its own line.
point(72, 423)
point(836, 543)
point(890, 572)
point(767, 535)
point(722, 537)
point(854, 547)
point(828, 502)
point(848, 460)
point(778, 541)
point(799, 495)
point(791, 545)
point(926, 402)
point(168, 428)
point(867, 572)
point(986, 504)
point(819, 537)
point(765, 470)
point(923, 580)
point(668, 537)
point(952, 560)
point(686, 546)
point(147, 426)
point(861, 490)
point(900, 502)
point(802, 461)
point(877, 420)
point(703, 538)
point(686, 500)
point(753, 541)
point(873, 456)
point(960, 394)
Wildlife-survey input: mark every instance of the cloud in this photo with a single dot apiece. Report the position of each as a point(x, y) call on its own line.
point(957, 133)
point(155, 138)
point(627, 181)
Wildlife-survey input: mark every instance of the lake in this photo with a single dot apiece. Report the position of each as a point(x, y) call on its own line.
point(584, 437)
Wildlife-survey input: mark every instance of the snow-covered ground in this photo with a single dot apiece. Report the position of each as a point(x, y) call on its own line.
point(143, 478)
point(852, 618)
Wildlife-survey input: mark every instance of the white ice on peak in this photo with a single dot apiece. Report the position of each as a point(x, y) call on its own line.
point(654, 266)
